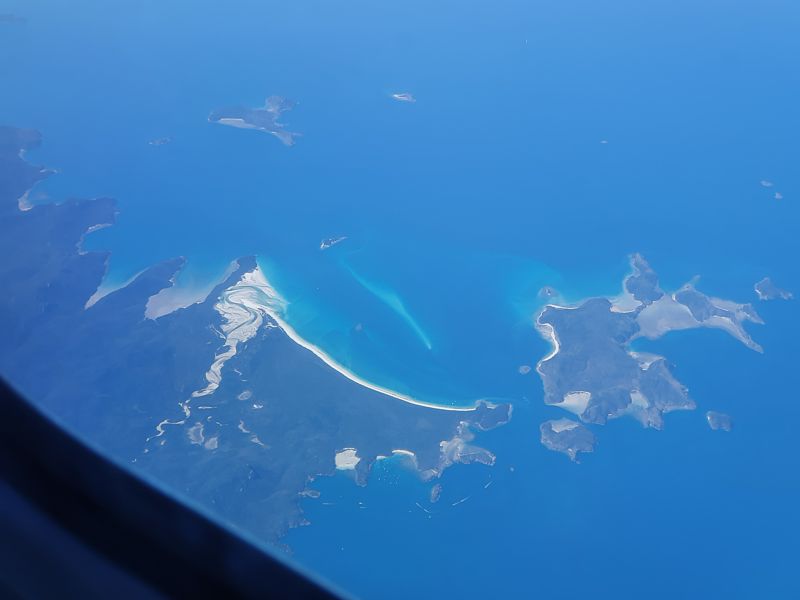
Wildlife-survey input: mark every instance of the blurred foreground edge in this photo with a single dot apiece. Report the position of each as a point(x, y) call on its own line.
point(75, 524)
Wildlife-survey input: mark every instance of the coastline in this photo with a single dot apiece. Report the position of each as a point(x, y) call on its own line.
point(105, 288)
point(548, 332)
point(266, 288)
point(259, 282)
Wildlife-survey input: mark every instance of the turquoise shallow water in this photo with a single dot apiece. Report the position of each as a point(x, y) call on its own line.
point(458, 208)
point(420, 344)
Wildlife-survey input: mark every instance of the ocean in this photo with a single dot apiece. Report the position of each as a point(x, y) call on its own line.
point(547, 142)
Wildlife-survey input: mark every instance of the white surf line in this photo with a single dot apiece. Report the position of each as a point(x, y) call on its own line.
point(264, 298)
point(548, 332)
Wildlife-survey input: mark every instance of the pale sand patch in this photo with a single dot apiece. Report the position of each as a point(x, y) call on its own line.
point(346, 460)
point(173, 297)
point(561, 425)
point(575, 402)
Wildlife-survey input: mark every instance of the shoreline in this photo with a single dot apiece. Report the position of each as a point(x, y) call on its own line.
point(291, 332)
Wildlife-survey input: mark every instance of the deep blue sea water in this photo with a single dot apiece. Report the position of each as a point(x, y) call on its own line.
point(458, 209)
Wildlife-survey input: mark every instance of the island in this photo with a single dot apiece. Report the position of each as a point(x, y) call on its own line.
point(221, 401)
point(328, 242)
point(767, 290)
point(436, 493)
point(548, 292)
point(592, 371)
point(567, 436)
point(719, 421)
point(162, 141)
point(264, 119)
point(404, 97)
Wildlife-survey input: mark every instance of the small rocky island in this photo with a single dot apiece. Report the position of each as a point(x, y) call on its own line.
point(161, 141)
point(567, 436)
point(719, 421)
point(263, 119)
point(328, 242)
point(404, 97)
